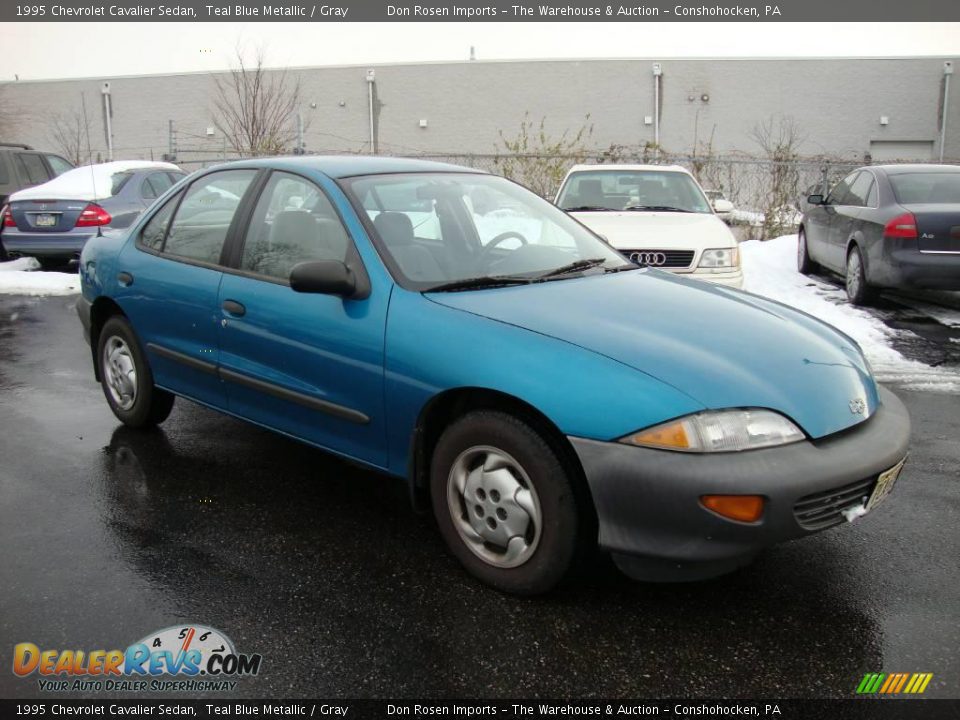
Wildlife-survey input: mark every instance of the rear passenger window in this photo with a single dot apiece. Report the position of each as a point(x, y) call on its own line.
point(860, 190)
point(156, 228)
point(293, 222)
point(32, 168)
point(200, 226)
point(155, 185)
point(58, 164)
point(4, 173)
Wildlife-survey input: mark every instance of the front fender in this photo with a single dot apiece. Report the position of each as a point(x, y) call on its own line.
point(581, 392)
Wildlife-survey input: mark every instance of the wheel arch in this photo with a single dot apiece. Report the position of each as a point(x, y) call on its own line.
point(103, 309)
point(447, 406)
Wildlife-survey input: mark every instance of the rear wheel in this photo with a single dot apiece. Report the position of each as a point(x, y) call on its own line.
point(126, 377)
point(858, 291)
point(805, 265)
point(504, 503)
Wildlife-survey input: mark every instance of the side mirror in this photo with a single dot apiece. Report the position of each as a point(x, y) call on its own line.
point(722, 206)
point(815, 199)
point(325, 277)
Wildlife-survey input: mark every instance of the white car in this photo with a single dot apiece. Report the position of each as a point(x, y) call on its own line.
point(657, 215)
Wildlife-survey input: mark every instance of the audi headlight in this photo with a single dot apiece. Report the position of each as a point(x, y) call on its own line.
point(719, 431)
point(720, 258)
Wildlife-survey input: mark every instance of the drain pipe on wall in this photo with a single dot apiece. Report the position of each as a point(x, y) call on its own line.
point(947, 72)
point(657, 72)
point(371, 78)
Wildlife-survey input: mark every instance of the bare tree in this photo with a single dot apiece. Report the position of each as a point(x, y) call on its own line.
point(538, 160)
point(70, 134)
point(256, 108)
point(779, 140)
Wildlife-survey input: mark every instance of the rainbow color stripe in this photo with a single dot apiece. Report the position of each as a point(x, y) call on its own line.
point(894, 683)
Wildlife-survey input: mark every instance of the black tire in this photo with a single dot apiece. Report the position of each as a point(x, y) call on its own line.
point(859, 291)
point(150, 405)
point(805, 266)
point(554, 551)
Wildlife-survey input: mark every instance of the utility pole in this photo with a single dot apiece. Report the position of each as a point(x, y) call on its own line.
point(107, 118)
point(947, 73)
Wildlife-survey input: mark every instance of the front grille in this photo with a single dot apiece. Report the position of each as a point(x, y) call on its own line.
point(823, 509)
point(660, 258)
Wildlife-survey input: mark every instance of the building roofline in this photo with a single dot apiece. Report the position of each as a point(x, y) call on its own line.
point(504, 61)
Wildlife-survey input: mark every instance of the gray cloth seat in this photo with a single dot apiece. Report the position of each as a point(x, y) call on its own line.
point(297, 236)
point(415, 261)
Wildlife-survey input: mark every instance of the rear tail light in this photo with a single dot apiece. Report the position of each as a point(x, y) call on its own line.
point(93, 216)
point(902, 226)
point(8, 220)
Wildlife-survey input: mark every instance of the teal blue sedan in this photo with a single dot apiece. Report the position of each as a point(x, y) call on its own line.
point(541, 394)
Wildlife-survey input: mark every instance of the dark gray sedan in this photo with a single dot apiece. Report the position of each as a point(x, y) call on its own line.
point(886, 226)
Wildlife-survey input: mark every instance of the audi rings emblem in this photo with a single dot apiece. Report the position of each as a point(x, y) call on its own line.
point(654, 259)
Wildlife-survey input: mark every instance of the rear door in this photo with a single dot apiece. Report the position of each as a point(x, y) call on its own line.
point(847, 221)
point(169, 281)
point(307, 364)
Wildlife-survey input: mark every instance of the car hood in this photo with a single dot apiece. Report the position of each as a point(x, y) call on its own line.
point(722, 347)
point(658, 230)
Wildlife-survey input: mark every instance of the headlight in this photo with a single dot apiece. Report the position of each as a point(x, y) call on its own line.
point(719, 431)
point(720, 257)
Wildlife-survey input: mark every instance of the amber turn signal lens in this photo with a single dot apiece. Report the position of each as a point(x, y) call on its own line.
point(670, 435)
point(744, 508)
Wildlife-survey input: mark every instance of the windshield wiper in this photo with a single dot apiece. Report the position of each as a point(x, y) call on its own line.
point(484, 281)
point(661, 208)
point(575, 266)
point(587, 208)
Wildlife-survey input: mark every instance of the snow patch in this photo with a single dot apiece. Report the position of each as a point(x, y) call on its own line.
point(19, 277)
point(769, 269)
point(852, 513)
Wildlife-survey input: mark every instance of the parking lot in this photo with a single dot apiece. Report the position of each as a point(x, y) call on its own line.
point(324, 569)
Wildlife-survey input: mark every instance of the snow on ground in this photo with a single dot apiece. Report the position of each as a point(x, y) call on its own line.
point(770, 270)
point(18, 277)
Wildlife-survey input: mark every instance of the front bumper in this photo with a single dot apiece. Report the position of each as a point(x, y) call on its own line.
point(732, 278)
point(648, 501)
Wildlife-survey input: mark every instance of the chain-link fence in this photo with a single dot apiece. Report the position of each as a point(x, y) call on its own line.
point(769, 196)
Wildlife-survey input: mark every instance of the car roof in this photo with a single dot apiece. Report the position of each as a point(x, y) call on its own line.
point(342, 166)
point(630, 168)
point(913, 168)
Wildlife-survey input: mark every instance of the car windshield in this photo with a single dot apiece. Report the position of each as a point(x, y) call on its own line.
point(941, 188)
point(452, 231)
point(602, 190)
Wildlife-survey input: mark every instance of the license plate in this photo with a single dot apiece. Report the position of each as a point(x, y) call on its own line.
point(884, 485)
point(45, 220)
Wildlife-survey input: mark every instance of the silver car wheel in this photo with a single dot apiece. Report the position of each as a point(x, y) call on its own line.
point(853, 274)
point(494, 506)
point(120, 372)
point(801, 249)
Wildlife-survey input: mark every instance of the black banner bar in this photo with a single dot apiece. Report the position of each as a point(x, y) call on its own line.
point(856, 709)
point(481, 11)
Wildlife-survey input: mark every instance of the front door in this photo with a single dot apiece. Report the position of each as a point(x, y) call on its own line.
point(309, 365)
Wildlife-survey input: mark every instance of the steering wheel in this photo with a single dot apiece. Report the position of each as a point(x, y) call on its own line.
point(485, 253)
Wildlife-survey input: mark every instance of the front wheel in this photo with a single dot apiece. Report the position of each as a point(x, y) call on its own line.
point(858, 291)
point(504, 503)
point(126, 377)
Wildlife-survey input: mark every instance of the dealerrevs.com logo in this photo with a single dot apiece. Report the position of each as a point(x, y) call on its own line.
point(179, 658)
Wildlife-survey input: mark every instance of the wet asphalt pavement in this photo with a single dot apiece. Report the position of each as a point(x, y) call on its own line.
point(109, 534)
